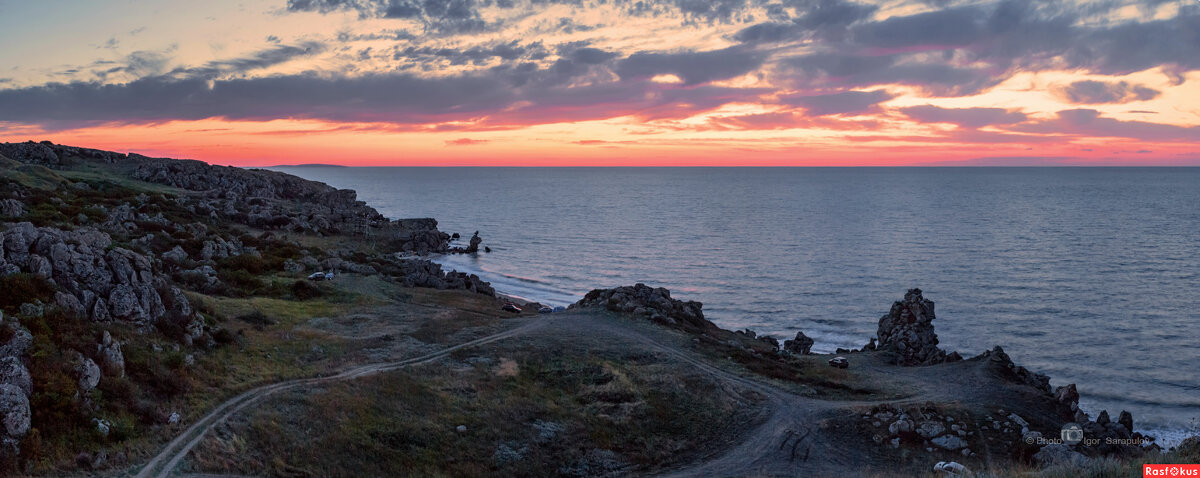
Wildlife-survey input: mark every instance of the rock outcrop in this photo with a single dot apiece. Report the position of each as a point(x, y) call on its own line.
point(907, 330)
point(15, 384)
point(653, 303)
point(425, 273)
point(93, 280)
point(801, 345)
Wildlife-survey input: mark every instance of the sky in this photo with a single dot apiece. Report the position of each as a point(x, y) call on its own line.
point(609, 82)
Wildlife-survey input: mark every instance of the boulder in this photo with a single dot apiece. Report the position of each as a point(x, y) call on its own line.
point(930, 428)
point(111, 357)
point(14, 411)
point(1125, 419)
point(13, 372)
point(907, 330)
point(11, 208)
point(949, 442)
point(1057, 454)
point(86, 372)
point(178, 255)
point(801, 345)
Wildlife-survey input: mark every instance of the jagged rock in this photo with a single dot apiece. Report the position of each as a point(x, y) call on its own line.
point(30, 153)
point(123, 304)
point(1067, 397)
point(930, 428)
point(420, 236)
point(1125, 419)
point(473, 246)
point(908, 331)
point(17, 345)
point(1059, 454)
point(801, 345)
point(1001, 363)
point(111, 356)
point(102, 426)
point(1103, 418)
point(292, 266)
point(902, 425)
point(13, 372)
point(949, 442)
point(32, 309)
point(178, 255)
point(653, 303)
point(68, 303)
point(86, 372)
point(11, 208)
point(14, 411)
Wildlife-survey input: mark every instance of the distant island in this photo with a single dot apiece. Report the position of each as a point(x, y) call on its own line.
point(307, 165)
point(164, 317)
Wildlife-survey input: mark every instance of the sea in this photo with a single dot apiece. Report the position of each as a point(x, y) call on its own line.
point(1090, 275)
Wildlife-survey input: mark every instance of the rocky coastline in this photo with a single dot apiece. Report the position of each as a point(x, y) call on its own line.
point(77, 249)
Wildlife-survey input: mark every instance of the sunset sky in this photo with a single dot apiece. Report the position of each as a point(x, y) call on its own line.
point(608, 82)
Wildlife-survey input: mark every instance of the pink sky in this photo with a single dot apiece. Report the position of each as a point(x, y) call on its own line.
point(660, 83)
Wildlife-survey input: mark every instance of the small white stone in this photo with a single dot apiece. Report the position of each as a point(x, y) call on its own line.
point(461, 428)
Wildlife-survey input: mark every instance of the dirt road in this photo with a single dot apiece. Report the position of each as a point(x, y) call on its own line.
point(174, 452)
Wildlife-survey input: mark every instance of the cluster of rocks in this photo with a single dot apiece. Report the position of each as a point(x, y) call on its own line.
point(925, 426)
point(15, 384)
point(92, 279)
point(653, 303)
point(907, 330)
point(425, 273)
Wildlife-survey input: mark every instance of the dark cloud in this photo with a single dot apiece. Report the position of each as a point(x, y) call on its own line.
point(442, 16)
point(1088, 122)
point(948, 28)
point(823, 19)
point(510, 94)
point(592, 56)
point(853, 70)
point(255, 61)
point(1099, 92)
point(845, 102)
point(966, 117)
point(694, 67)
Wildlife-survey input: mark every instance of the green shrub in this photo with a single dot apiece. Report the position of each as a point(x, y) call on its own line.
point(240, 282)
point(22, 288)
point(304, 290)
point(244, 262)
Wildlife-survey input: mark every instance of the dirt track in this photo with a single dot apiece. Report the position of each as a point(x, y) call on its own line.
point(174, 452)
point(789, 442)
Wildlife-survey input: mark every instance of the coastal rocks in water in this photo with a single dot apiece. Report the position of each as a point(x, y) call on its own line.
point(801, 345)
point(907, 330)
point(473, 246)
point(653, 303)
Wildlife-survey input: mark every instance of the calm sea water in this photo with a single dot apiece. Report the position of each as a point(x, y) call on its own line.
point(1091, 275)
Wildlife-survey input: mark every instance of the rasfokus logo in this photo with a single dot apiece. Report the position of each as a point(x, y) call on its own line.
point(1170, 470)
